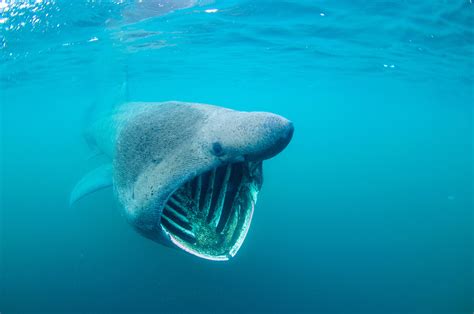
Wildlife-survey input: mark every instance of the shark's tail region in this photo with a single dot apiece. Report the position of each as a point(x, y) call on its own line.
point(109, 92)
point(110, 89)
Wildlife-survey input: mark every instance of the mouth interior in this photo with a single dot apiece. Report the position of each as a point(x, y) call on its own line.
point(209, 216)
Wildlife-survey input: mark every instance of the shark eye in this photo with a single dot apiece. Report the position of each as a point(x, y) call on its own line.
point(217, 149)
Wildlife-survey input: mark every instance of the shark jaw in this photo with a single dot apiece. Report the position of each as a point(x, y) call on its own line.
point(210, 215)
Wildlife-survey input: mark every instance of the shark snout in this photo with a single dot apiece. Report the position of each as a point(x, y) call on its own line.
point(276, 133)
point(288, 132)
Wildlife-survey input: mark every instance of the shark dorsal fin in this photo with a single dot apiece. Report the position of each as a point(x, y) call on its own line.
point(97, 179)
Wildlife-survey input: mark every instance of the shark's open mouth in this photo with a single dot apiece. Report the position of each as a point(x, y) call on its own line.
point(209, 216)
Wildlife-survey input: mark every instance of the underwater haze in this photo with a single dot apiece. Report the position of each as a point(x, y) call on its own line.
point(368, 210)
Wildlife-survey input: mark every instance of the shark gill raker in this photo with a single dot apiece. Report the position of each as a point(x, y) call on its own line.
point(186, 175)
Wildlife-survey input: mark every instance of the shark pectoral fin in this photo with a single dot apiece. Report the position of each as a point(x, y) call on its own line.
point(97, 179)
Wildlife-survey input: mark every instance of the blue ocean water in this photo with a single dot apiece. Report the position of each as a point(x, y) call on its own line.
point(368, 210)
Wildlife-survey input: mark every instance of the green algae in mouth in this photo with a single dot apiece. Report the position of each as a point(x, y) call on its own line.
point(209, 216)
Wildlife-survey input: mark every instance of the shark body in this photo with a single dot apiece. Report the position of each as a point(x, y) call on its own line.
point(186, 175)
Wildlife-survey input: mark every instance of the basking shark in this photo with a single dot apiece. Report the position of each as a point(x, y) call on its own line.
point(186, 175)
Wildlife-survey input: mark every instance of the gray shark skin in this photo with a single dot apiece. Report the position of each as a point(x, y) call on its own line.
point(186, 175)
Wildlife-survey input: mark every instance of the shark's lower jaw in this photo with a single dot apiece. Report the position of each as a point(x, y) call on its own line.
point(210, 215)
